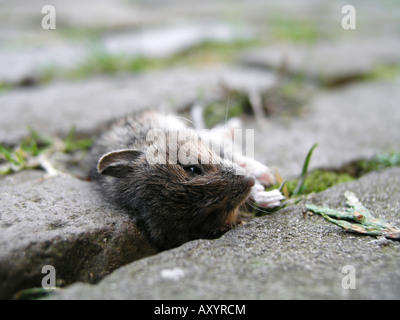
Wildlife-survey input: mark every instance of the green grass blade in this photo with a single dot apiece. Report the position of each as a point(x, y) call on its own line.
point(300, 185)
point(8, 155)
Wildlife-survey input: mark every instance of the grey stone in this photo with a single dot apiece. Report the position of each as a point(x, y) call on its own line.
point(55, 108)
point(285, 255)
point(27, 51)
point(351, 123)
point(167, 41)
point(31, 62)
point(329, 62)
point(61, 222)
point(160, 29)
point(24, 17)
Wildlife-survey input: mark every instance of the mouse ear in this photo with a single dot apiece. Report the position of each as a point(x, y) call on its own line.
point(117, 163)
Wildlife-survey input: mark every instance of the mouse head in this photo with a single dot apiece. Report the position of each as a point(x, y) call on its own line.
point(181, 198)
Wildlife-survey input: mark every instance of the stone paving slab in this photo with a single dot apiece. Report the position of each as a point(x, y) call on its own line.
point(29, 62)
point(162, 28)
point(328, 62)
point(167, 41)
point(281, 256)
point(350, 123)
point(55, 108)
point(63, 222)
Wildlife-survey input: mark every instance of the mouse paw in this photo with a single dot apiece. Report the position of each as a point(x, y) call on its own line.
point(261, 172)
point(266, 199)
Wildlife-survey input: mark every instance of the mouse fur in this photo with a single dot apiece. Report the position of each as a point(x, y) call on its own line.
point(173, 202)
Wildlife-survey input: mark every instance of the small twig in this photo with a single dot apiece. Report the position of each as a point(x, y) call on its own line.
point(357, 218)
point(256, 104)
point(48, 167)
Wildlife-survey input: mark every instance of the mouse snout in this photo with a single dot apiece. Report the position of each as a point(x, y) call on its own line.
point(250, 181)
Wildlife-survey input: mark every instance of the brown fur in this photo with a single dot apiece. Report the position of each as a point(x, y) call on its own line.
point(172, 202)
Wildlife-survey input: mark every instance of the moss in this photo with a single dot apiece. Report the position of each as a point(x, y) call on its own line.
point(320, 180)
point(4, 87)
point(72, 143)
point(235, 104)
point(316, 181)
point(211, 52)
point(100, 61)
point(293, 29)
point(383, 72)
point(26, 154)
point(379, 162)
point(287, 99)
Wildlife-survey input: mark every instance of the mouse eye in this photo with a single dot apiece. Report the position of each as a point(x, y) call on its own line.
point(194, 169)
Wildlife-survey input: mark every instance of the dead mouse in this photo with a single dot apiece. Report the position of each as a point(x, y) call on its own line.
point(168, 179)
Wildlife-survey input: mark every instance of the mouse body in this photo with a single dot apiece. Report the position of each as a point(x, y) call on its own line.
point(168, 178)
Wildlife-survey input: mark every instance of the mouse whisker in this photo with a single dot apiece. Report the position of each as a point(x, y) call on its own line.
point(257, 208)
point(187, 120)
